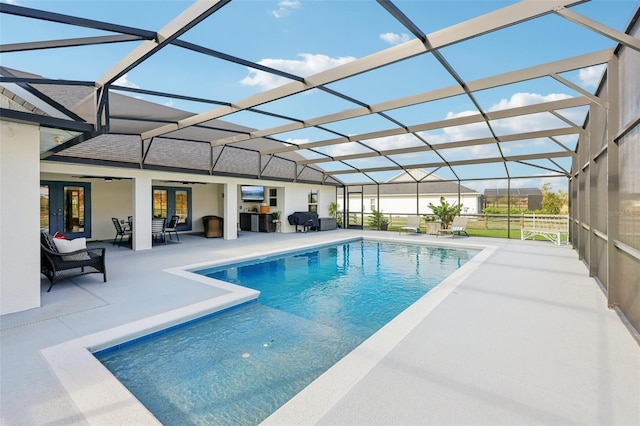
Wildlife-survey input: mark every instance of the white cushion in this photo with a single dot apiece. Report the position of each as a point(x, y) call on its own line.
point(68, 246)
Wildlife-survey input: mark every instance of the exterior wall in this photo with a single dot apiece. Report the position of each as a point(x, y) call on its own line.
point(206, 200)
point(403, 204)
point(296, 197)
point(245, 206)
point(19, 217)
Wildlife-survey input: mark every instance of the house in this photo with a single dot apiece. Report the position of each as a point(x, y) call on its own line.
point(411, 192)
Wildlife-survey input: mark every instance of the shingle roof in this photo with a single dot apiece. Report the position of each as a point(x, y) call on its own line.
point(409, 188)
point(515, 192)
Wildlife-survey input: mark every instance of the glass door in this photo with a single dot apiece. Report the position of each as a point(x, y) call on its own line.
point(168, 201)
point(65, 208)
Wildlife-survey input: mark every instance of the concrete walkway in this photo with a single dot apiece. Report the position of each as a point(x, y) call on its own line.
point(523, 337)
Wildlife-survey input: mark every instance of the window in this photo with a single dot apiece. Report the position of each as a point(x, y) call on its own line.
point(373, 204)
point(313, 200)
point(273, 197)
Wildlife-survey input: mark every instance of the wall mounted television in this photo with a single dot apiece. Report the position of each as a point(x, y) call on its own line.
point(252, 193)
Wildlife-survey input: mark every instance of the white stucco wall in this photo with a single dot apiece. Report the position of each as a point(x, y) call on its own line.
point(206, 200)
point(19, 217)
point(402, 204)
point(296, 200)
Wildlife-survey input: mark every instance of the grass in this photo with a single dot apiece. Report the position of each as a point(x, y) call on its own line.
point(490, 233)
point(494, 233)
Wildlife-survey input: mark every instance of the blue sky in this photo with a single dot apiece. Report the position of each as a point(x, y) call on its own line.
point(305, 37)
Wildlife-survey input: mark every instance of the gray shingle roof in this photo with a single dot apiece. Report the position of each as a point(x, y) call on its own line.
point(515, 192)
point(409, 188)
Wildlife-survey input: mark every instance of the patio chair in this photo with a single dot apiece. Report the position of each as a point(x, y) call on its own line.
point(57, 266)
point(413, 225)
point(172, 227)
point(121, 231)
point(458, 226)
point(157, 229)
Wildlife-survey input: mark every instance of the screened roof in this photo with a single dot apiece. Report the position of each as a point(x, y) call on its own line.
point(333, 92)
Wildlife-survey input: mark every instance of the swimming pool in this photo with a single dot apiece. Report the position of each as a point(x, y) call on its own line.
point(238, 366)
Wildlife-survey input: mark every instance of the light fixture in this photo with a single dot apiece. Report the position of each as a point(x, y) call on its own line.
point(57, 140)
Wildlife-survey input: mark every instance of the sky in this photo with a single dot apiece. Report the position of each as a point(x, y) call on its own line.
point(305, 37)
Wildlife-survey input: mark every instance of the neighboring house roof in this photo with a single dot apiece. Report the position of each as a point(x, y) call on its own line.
point(404, 183)
point(409, 188)
point(515, 192)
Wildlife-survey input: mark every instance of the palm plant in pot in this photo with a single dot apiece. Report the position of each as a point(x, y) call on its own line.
point(333, 212)
point(378, 220)
point(445, 212)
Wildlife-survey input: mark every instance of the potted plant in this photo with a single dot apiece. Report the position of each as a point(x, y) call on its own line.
point(378, 221)
point(275, 216)
point(333, 212)
point(445, 212)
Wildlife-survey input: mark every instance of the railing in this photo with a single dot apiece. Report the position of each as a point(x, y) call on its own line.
point(549, 227)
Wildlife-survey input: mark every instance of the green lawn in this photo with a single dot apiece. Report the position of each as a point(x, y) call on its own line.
point(495, 233)
point(491, 233)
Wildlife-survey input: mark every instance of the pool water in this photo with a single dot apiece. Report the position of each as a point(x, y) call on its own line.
point(240, 365)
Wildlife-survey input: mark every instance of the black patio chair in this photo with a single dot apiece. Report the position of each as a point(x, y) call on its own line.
point(121, 232)
point(157, 229)
point(172, 227)
point(57, 266)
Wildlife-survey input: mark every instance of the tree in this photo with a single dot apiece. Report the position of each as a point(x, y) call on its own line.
point(552, 202)
point(378, 220)
point(445, 211)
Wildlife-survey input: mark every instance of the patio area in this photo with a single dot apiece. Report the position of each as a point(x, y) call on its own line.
point(522, 336)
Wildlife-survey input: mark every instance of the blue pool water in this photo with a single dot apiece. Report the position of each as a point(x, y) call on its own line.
point(240, 365)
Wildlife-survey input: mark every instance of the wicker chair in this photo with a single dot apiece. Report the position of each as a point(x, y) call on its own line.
point(57, 266)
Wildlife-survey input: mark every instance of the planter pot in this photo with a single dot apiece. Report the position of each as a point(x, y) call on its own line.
point(434, 227)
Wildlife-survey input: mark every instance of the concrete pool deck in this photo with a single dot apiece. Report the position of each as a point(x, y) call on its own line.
point(525, 336)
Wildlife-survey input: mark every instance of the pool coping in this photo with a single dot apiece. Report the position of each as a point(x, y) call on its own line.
point(102, 399)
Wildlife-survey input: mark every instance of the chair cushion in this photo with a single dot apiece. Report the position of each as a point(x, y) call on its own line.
point(68, 246)
point(47, 241)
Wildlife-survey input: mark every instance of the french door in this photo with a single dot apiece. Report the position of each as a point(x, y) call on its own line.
point(169, 201)
point(65, 207)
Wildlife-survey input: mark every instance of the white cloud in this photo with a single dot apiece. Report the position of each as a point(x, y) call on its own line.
point(590, 77)
point(15, 2)
point(298, 141)
point(530, 122)
point(393, 38)
point(123, 81)
point(285, 7)
point(524, 99)
point(309, 64)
